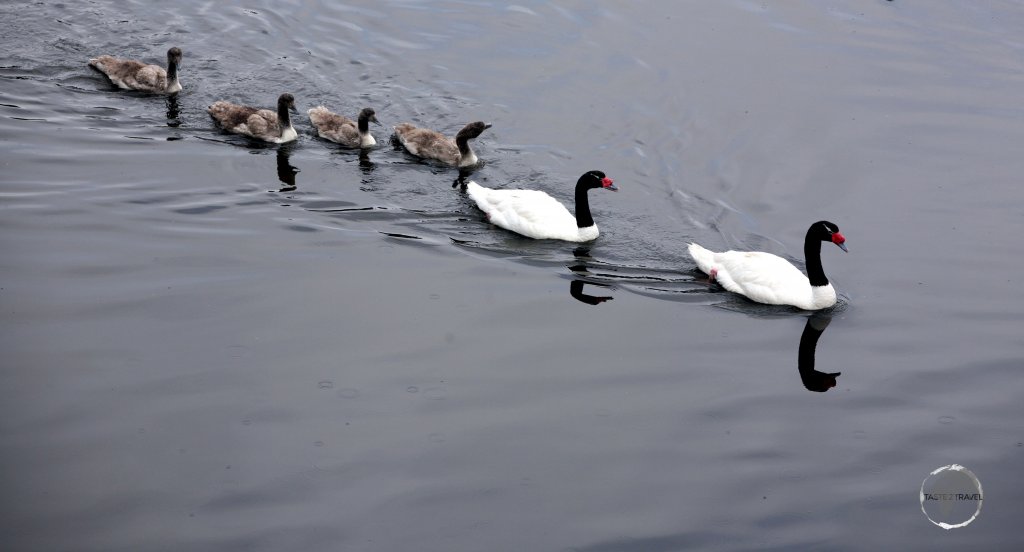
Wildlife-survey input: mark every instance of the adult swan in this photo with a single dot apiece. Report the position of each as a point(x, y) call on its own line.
point(770, 279)
point(535, 214)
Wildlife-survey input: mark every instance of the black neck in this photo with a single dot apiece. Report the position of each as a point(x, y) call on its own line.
point(583, 218)
point(463, 144)
point(363, 124)
point(172, 70)
point(812, 255)
point(283, 117)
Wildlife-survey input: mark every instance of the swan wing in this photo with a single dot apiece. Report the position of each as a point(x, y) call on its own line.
point(427, 143)
point(532, 213)
point(334, 127)
point(261, 124)
point(130, 74)
point(763, 277)
point(151, 78)
point(229, 115)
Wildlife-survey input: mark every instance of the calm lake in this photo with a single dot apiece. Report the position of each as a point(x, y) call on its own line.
point(215, 345)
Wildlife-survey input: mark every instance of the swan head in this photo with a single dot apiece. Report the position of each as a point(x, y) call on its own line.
point(829, 231)
point(472, 130)
point(174, 56)
point(596, 179)
point(369, 115)
point(287, 101)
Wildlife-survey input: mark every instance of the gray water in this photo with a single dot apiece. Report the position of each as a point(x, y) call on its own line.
point(214, 345)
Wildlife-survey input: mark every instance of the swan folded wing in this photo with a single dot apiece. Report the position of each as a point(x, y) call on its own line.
point(428, 143)
point(333, 126)
point(151, 77)
point(762, 277)
point(532, 213)
point(348, 135)
point(241, 119)
point(130, 74)
point(322, 117)
point(263, 123)
point(229, 115)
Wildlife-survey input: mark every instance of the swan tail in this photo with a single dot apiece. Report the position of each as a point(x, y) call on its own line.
point(317, 111)
point(705, 259)
point(475, 191)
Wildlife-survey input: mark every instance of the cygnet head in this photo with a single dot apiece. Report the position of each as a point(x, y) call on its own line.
point(174, 56)
point(472, 130)
point(287, 101)
point(369, 115)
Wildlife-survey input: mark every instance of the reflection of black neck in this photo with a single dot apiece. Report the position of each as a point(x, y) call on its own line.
point(812, 379)
point(364, 161)
point(583, 218)
point(285, 171)
point(172, 110)
point(812, 255)
point(576, 290)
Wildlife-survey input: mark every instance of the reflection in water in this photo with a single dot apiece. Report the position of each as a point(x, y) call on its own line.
point(173, 111)
point(814, 380)
point(365, 164)
point(285, 171)
point(576, 290)
point(582, 254)
point(368, 183)
point(461, 179)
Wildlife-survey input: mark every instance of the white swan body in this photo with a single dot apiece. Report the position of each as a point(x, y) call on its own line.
point(763, 277)
point(341, 129)
point(129, 74)
point(535, 214)
point(532, 213)
point(770, 279)
point(261, 124)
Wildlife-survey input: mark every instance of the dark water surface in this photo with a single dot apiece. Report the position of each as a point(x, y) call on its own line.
point(213, 345)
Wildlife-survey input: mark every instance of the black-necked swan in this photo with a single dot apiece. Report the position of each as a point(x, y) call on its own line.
point(537, 215)
point(430, 144)
point(341, 129)
point(130, 74)
point(770, 279)
point(261, 124)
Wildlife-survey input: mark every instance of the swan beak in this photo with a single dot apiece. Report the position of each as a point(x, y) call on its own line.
point(839, 240)
point(375, 121)
point(608, 184)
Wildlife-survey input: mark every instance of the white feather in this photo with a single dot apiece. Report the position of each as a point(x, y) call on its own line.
point(763, 277)
point(531, 213)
